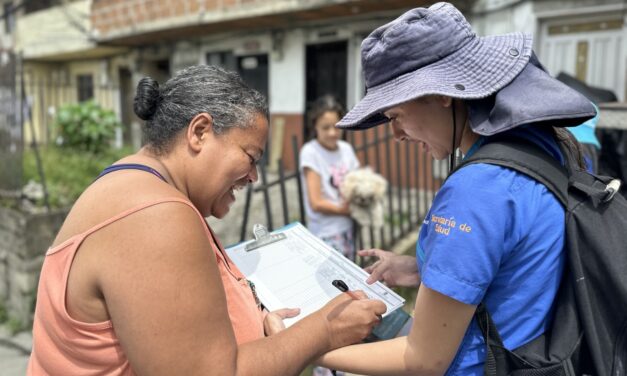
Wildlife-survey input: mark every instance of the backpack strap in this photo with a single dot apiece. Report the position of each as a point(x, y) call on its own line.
point(495, 354)
point(527, 158)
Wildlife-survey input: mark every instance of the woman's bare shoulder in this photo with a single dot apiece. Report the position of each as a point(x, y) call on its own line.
point(109, 198)
point(145, 241)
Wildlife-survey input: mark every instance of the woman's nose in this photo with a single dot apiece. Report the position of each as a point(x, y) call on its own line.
point(399, 134)
point(253, 175)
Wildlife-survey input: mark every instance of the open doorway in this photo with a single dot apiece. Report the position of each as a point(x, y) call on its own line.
point(254, 71)
point(326, 73)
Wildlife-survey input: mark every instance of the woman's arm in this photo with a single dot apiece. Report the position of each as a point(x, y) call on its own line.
point(439, 326)
point(314, 195)
point(164, 294)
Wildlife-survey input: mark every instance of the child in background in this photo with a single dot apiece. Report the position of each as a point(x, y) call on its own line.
point(324, 161)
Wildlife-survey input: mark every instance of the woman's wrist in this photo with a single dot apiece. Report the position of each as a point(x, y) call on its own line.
point(317, 329)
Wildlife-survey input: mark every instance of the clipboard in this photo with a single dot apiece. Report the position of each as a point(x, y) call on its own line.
point(292, 268)
point(262, 238)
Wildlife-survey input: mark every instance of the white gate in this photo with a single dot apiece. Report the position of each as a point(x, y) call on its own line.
point(592, 51)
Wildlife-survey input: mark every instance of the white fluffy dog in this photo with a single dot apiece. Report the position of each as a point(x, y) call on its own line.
point(364, 190)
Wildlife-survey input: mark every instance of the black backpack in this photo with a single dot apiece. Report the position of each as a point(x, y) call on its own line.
point(588, 335)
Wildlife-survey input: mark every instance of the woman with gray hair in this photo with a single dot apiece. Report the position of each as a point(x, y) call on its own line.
point(137, 283)
point(493, 235)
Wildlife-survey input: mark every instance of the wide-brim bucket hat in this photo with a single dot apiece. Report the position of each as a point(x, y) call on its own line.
point(433, 51)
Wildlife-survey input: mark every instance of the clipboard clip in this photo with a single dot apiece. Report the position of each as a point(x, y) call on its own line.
point(262, 237)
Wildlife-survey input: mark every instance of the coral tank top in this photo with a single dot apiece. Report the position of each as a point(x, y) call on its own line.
point(64, 346)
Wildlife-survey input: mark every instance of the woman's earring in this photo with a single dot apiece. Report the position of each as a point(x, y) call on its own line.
point(458, 156)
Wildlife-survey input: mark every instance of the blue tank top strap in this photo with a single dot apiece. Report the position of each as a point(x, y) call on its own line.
point(131, 166)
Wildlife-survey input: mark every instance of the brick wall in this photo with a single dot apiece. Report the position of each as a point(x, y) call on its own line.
point(110, 15)
point(135, 22)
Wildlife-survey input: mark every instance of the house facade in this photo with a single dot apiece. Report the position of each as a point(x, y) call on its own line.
point(291, 50)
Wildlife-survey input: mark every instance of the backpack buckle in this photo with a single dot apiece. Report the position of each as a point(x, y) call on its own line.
point(610, 189)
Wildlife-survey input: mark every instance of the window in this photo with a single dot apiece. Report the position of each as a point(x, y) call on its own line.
point(254, 71)
point(31, 6)
point(223, 59)
point(85, 87)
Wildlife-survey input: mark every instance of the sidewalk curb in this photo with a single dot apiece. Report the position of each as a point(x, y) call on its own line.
point(7, 343)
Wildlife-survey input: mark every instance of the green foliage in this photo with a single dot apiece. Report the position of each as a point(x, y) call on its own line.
point(4, 315)
point(86, 126)
point(396, 218)
point(12, 324)
point(15, 325)
point(409, 293)
point(68, 172)
point(11, 203)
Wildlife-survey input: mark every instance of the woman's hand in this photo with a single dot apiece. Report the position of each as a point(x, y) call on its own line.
point(392, 269)
point(273, 322)
point(350, 320)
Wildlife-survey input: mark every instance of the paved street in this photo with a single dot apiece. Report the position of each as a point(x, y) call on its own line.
point(14, 353)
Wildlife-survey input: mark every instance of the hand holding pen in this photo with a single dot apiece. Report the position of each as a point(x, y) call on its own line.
point(343, 287)
point(349, 318)
point(376, 307)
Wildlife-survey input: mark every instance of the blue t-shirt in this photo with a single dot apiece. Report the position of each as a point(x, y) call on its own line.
point(495, 235)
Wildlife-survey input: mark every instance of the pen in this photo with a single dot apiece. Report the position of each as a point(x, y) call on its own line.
point(343, 287)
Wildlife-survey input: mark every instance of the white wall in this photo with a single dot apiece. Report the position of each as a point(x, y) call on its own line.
point(502, 17)
point(355, 85)
point(286, 63)
point(287, 75)
point(59, 29)
point(287, 59)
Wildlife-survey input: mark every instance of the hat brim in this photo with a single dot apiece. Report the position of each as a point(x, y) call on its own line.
point(533, 97)
point(477, 70)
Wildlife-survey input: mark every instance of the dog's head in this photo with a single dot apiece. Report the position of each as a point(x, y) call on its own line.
point(363, 187)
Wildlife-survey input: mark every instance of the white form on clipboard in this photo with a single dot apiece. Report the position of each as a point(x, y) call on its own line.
point(296, 271)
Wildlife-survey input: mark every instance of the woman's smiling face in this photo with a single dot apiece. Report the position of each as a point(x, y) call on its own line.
point(227, 162)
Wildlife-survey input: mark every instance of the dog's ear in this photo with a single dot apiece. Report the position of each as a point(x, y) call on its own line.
point(380, 185)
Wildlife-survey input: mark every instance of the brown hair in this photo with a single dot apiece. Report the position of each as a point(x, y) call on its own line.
point(322, 105)
point(569, 145)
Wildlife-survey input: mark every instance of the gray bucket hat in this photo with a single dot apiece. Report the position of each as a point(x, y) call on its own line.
point(433, 51)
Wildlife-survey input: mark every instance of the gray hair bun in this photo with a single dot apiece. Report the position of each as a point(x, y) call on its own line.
point(146, 98)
